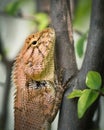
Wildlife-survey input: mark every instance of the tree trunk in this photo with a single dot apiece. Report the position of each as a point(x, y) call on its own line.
point(65, 58)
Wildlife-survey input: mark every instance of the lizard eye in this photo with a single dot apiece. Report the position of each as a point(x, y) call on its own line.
point(34, 42)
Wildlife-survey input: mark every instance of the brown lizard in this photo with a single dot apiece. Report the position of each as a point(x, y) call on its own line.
point(38, 94)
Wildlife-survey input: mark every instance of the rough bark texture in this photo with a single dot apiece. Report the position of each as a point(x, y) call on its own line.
point(42, 5)
point(65, 58)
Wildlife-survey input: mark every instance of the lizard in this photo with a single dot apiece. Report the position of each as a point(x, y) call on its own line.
point(38, 92)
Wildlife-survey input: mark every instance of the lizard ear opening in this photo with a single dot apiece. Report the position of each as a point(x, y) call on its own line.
point(34, 42)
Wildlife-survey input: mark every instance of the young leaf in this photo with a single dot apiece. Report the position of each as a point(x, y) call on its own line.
point(80, 45)
point(82, 15)
point(75, 93)
point(93, 80)
point(12, 7)
point(42, 20)
point(86, 100)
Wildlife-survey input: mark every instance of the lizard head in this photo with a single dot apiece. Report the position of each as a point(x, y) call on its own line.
point(36, 58)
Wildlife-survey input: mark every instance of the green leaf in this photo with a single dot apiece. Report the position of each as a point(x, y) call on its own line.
point(42, 20)
point(80, 45)
point(82, 15)
point(86, 100)
point(93, 80)
point(75, 93)
point(13, 7)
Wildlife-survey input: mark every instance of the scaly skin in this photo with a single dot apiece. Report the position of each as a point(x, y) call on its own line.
point(38, 95)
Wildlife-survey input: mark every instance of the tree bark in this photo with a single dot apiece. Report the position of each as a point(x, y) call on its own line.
point(43, 5)
point(65, 58)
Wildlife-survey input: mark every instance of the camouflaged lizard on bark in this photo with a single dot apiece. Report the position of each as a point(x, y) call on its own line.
point(38, 95)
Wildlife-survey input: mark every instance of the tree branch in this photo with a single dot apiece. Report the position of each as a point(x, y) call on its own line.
point(2, 84)
point(65, 56)
point(94, 60)
point(19, 16)
point(8, 65)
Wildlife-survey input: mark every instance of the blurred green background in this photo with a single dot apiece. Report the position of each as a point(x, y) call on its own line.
point(18, 19)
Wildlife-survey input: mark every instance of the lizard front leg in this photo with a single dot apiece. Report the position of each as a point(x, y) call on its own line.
point(57, 103)
point(60, 89)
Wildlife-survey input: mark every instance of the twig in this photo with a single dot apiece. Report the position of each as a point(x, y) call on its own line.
point(2, 84)
point(8, 64)
point(20, 16)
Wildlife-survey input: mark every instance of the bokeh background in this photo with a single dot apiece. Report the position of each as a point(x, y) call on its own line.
point(18, 19)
